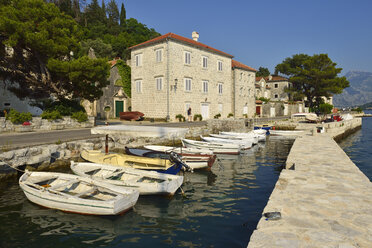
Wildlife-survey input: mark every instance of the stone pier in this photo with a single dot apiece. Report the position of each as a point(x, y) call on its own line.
point(323, 198)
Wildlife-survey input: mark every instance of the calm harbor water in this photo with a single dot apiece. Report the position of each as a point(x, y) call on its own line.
point(221, 209)
point(358, 146)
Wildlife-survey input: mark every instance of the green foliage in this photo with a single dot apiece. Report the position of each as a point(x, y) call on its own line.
point(325, 108)
point(230, 115)
point(64, 106)
point(180, 118)
point(125, 74)
point(245, 115)
point(217, 116)
point(312, 76)
point(198, 117)
point(358, 109)
point(123, 16)
point(101, 49)
point(18, 118)
point(80, 116)
point(263, 72)
point(83, 77)
point(51, 115)
point(265, 100)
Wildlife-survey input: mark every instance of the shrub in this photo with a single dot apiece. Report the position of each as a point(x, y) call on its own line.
point(51, 115)
point(217, 116)
point(64, 107)
point(198, 116)
point(230, 115)
point(325, 108)
point(180, 117)
point(80, 116)
point(18, 118)
point(245, 115)
point(265, 100)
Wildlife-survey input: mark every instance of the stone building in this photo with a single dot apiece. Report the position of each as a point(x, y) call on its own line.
point(172, 73)
point(113, 101)
point(243, 91)
point(273, 87)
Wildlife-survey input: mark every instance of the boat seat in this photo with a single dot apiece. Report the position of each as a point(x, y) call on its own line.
point(69, 182)
point(91, 190)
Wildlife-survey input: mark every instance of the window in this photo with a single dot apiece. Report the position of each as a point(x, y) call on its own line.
point(220, 88)
point(276, 96)
point(138, 59)
point(138, 86)
point(159, 55)
point(205, 86)
point(219, 66)
point(159, 83)
point(187, 84)
point(275, 85)
point(205, 62)
point(187, 58)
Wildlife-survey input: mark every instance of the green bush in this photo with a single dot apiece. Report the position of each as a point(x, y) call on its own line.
point(18, 118)
point(265, 100)
point(217, 116)
point(325, 108)
point(230, 115)
point(64, 107)
point(198, 116)
point(51, 115)
point(80, 116)
point(180, 117)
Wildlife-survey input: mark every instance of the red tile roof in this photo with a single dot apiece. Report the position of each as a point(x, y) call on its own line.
point(257, 85)
point(236, 64)
point(258, 102)
point(113, 62)
point(274, 78)
point(182, 39)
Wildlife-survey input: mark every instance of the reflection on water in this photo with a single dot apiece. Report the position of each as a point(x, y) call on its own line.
point(220, 208)
point(358, 147)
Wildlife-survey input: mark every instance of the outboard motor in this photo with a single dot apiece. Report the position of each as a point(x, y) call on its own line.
point(175, 158)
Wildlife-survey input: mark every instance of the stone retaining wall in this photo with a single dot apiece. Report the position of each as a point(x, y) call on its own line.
point(38, 124)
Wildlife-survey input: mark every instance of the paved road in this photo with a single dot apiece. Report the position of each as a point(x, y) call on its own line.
point(19, 140)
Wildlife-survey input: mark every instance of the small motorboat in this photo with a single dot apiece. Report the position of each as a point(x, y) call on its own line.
point(258, 135)
point(217, 148)
point(194, 161)
point(146, 182)
point(125, 160)
point(72, 193)
point(179, 150)
point(251, 138)
point(286, 132)
point(132, 115)
point(244, 144)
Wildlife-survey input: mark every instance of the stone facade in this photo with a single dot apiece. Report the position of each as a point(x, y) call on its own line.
point(274, 88)
point(172, 73)
point(243, 90)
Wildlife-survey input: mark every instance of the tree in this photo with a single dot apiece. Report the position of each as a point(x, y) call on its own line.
point(263, 72)
point(123, 16)
point(37, 47)
point(101, 49)
point(113, 17)
point(312, 77)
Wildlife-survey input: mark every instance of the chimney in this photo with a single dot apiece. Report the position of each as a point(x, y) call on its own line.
point(270, 77)
point(195, 36)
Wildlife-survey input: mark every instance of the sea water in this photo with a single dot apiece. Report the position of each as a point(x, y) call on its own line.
point(358, 146)
point(220, 208)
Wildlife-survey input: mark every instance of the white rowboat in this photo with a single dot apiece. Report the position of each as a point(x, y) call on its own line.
point(179, 150)
point(244, 144)
point(146, 182)
point(216, 148)
point(76, 194)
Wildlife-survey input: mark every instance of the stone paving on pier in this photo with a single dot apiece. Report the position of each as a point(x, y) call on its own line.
point(324, 200)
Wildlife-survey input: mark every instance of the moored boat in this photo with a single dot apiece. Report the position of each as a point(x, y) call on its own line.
point(217, 148)
point(256, 134)
point(72, 193)
point(286, 132)
point(146, 182)
point(179, 150)
point(194, 161)
point(244, 144)
point(125, 160)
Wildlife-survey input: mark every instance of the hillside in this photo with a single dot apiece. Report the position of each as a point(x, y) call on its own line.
point(359, 92)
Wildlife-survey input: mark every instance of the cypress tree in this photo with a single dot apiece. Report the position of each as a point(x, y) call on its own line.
point(123, 16)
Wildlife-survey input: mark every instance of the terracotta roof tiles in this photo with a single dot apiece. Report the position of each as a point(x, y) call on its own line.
point(182, 39)
point(236, 64)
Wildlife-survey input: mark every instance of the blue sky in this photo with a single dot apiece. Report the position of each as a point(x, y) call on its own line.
point(265, 32)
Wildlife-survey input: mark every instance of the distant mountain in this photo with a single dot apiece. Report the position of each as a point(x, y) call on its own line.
point(367, 106)
point(359, 92)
